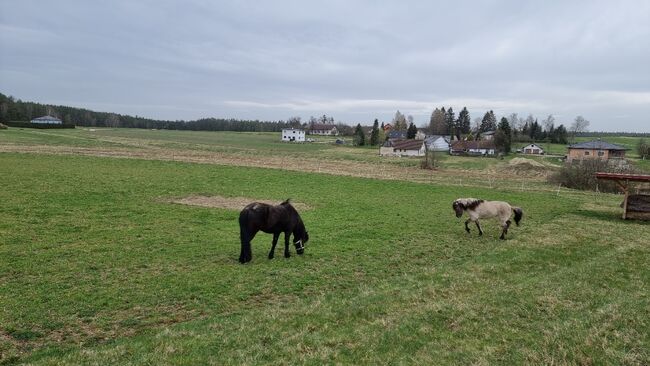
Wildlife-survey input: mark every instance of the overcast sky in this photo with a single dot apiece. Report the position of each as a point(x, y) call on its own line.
point(352, 60)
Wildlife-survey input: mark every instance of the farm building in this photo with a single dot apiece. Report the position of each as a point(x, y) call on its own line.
point(481, 147)
point(532, 149)
point(388, 127)
point(596, 149)
point(402, 148)
point(437, 143)
point(323, 129)
point(47, 120)
point(293, 135)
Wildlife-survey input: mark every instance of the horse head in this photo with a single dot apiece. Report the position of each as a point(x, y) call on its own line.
point(459, 207)
point(300, 238)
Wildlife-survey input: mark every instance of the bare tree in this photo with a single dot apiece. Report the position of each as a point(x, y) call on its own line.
point(515, 122)
point(579, 125)
point(549, 123)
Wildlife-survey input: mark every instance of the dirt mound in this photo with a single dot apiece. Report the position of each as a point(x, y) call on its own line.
point(231, 203)
point(525, 166)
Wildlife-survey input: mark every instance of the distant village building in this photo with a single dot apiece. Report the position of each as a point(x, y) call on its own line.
point(293, 135)
point(388, 127)
point(478, 148)
point(437, 143)
point(402, 148)
point(420, 135)
point(532, 149)
point(596, 149)
point(323, 129)
point(47, 120)
point(487, 135)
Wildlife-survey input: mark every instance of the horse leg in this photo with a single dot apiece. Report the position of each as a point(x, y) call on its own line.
point(246, 254)
point(286, 244)
point(505, 227)
point(467, 222)
point(245, 245)
point(480, 231)
point(275, 241)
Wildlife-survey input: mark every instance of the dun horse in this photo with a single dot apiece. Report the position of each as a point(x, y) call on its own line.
point(270, 219)
point(480, 209)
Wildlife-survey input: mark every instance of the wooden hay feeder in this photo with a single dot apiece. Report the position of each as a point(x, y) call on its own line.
point(635, 206)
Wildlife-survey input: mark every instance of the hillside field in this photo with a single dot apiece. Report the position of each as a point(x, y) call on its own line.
point(98, 265)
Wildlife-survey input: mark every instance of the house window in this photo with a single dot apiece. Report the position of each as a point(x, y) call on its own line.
point(601, 153)
point(586, 152)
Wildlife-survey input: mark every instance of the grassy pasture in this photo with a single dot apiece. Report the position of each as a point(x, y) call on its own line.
point(97, 267)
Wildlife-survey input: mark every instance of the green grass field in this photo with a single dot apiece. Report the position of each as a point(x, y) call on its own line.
point(97, 267)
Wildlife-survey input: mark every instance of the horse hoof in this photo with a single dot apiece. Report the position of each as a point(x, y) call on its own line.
point(270, 256)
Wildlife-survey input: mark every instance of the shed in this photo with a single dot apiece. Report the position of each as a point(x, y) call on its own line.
point(635, 206)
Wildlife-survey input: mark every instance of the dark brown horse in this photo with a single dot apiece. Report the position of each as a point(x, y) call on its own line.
point(270, 219)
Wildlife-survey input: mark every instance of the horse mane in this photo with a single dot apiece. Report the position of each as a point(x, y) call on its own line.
point(469, 203)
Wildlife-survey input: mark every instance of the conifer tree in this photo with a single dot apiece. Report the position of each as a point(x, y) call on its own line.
point(450, 121)
point(412, 131)
point(359, 136)
point(374, 135)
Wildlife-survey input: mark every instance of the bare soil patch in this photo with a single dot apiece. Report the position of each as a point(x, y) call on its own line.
point(230, 203)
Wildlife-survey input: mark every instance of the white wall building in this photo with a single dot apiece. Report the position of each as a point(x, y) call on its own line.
point(48, 120)
point(293, 135)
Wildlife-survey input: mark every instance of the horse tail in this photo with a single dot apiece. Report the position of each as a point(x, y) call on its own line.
point(518, 214)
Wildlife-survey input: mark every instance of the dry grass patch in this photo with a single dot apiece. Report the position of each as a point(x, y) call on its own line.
point(230, 203)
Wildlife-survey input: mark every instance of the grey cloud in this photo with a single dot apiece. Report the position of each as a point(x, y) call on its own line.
point(354, 60)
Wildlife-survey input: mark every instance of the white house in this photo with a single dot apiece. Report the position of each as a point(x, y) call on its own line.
point(532, 149)
point(47, 120)
point(437, 143)
point(293, 135)
point(482, 147)
point(323, 129)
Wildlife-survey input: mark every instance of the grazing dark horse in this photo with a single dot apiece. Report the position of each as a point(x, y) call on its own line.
point(275, 220)
point(480, 209)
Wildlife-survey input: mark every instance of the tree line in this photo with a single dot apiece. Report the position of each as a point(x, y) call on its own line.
point(12, 109)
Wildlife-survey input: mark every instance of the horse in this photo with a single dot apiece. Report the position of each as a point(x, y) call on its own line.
point(480, 209)
point(282, 218)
